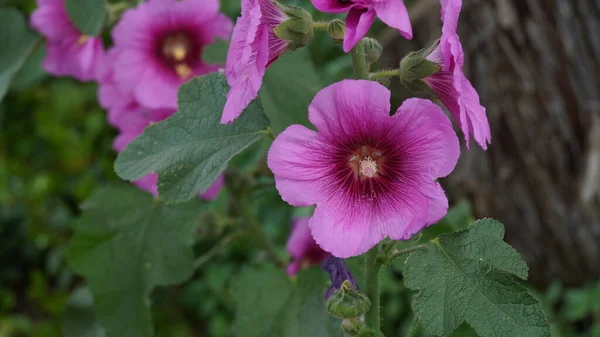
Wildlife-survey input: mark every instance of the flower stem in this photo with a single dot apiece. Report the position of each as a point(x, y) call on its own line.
point(396, 253)
point(385, 73)
point(359, 61)
point(321, 25)
point(270, 133)
point(216, 249)
point(255, 229)
point(372, 279)
point(414, 327)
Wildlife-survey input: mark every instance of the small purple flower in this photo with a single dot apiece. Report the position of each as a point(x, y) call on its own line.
point(338, 272)
point(69, 52)
point(370, 174)
point(303, 247)
point(158, 47)
point(253, 48)
point(450, 84)
point(361, 14)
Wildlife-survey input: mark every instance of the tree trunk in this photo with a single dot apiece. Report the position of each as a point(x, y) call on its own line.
point(536, 66)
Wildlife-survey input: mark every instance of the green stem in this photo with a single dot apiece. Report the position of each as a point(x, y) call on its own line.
point(270, 133)
point(214, 250)
point(359, 61)
point(321, 25)
point(372, 289)
point(256, 230)
point(414, 328)
point(384, 74)
point(396, 253)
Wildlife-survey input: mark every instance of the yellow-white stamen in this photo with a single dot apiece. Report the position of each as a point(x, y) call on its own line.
point(367, 167)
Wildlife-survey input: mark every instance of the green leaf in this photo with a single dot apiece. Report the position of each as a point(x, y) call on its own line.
point(87, 15)
point(191, 149)
point(288, 87)
point(125, 244)
point(474, 276)
point(17, 41)
point(268, 303)
point(80, 319)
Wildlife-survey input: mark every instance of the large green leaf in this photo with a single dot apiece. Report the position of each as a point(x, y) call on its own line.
point(288, 87)
point(17, 41)
point(191, 149)
point(87, 15)
point(80, 319)
point(474, 276)
point(268, 303)
point(125, 244)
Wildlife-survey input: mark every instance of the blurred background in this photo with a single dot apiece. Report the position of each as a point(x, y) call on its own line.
point(536, 65)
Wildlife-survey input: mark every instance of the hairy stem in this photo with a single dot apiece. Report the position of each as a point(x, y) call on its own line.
point(372, 279)
point(384, 74)
point(414, 328)
point(321, 25)
point(359, 61)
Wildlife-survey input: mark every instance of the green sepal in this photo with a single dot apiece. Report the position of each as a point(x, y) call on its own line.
point(414, 67)
point(355, 327)
point(347, 302)
point(373, 49)
point(298, 29)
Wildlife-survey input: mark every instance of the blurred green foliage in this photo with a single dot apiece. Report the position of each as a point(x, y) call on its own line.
point(56, 148)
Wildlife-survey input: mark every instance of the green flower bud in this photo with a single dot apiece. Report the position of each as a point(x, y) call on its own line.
point(298, 28)
point(347, 302)
point(414, 67)
point(336, 30)
point(354, 327)
point(373, 49)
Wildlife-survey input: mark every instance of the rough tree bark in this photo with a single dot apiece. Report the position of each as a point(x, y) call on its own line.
point(536, 65)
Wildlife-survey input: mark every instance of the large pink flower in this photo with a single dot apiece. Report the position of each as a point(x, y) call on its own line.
point(303, 247)
point(370, 174)
point(361, 14)
point(159, 44)
point(69, 52)
point(450, 84)
point(253, 48)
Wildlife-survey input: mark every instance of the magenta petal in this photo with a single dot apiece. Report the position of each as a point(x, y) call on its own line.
point(213, 191)
point(51, 19)
point(473, 119)
point(347, 105)
point(148, 183)
point(71, 58)
point(302, 246)
point(438, 203)
point(295, 160)
point(434, 146)
point(405, 213)
point(157, 88)
point(394, 14)
point(345, 230)
point(358, 22)
point(332, 6)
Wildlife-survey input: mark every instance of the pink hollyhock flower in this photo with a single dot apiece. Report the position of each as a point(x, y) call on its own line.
point(253, 48)
point(69, 52)
point(131, 122)
point(361, 14)
point(370, 174)
point(303, 247)
point(450, 84)
point(158, 47)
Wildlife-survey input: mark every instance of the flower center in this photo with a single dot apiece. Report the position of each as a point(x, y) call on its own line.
point(179, 53)
point(83, 39)
point(366, 162)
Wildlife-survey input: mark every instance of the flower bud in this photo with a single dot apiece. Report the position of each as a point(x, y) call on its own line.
point(336, 30)
point(298, 28)
point(373, 49)
point(414, 67)
point(347, 302)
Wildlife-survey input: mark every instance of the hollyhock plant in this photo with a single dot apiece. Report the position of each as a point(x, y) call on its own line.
point(158, 46)
point(253, 48)
point(450, 84)
point(370, 174)
point(361, 14)
point(303, 247)
point(338, 272)
point(69, 52)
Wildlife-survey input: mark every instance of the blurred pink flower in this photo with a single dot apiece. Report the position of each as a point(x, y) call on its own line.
point(450, 84)
point(69, 52)
point(253, 48)
point(361, 14)
point(158, 47)
point(303, 247)
point(370, 174)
